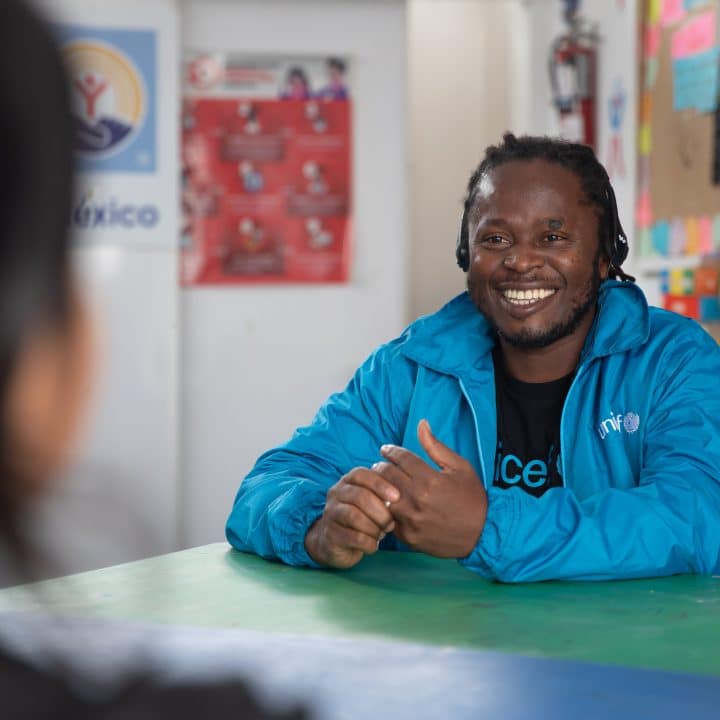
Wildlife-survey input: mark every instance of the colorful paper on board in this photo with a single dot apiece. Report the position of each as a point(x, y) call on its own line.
point(672, 11)
point(652, 40)
point(661, 237)
point(675, 281)
point(646, 107)
point(695, 81)
point(692, 4)
point(643, 212)
point(677, 236)
point(653, 11)
point(716, 149)
point(645, 139)
point(651, 68)
point(706, 280)
point(692, 236)
point(716, 233)
point(646, 245)
point(695, 36)
point(705, 241)
point(680, 282)
point(709, 309)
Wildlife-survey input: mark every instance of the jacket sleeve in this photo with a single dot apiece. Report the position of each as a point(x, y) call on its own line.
point(285, 492)
point(668, 524)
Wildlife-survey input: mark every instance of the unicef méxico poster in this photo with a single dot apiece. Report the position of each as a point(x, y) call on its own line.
point(113, 76)
point(266, 170)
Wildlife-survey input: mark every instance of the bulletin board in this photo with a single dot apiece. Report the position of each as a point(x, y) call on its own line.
point(678, 199)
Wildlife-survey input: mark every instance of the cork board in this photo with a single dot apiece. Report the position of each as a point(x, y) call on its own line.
point(678, 210)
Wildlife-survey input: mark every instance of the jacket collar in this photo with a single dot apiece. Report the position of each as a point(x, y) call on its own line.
point(458, 338)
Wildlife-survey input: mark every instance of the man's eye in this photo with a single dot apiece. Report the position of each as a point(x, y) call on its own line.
point(553, 238)
point(494, 240)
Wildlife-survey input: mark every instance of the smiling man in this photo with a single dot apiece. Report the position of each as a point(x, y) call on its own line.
point(545, 424)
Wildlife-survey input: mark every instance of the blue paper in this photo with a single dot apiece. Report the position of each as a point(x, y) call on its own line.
point(695, 81)
point(661, 237)
point(709, 309)
point(692, 4)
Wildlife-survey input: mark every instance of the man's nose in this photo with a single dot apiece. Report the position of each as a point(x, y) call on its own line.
point(523, 259)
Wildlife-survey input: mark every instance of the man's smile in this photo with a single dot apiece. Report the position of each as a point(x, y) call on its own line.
point(520, 297)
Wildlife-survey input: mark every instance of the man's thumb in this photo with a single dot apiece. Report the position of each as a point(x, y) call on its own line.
point(440, 454)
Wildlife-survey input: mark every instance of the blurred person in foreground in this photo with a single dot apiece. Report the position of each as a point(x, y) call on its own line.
point(545, 424)
point(46, 359)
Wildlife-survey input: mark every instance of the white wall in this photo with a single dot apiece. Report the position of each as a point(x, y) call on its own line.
point(467, 80)
point(257, 362)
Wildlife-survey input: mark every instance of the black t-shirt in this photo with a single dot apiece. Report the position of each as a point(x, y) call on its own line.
point(528, 423)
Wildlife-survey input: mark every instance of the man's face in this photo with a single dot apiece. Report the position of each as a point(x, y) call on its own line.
point(535, 260)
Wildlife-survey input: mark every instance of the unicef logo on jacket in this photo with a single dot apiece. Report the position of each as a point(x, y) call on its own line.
point(112, 78)
point(631, 422)
point(628, 422)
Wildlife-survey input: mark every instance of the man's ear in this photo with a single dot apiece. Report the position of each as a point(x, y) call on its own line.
point(604, 266)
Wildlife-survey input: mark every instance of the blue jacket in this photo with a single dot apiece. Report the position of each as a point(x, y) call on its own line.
point(639, 437)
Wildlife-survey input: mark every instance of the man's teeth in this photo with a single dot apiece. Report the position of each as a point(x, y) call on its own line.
point(525, 297)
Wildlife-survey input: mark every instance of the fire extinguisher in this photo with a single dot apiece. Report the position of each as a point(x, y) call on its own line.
point(573, 77)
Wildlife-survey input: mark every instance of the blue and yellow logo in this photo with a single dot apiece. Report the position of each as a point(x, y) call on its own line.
point(109, 98)
point(114, 88)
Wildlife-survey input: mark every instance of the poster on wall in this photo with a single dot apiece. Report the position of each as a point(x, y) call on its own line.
point(266, 170)
point(114, 96)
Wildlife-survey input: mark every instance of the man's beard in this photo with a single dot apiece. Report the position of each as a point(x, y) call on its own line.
point(534, 339)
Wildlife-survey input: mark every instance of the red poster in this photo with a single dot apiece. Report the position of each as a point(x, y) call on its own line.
point(266, 171)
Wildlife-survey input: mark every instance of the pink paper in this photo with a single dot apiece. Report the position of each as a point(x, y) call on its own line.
point(652, 40)
point(672, 11)
point(705, 235)
point(677, 236)
point(694, 37)
point(692, 236)
point(643, 212)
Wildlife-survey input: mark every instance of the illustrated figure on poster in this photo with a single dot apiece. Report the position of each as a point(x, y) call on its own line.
point(188, 116)
point(196, 162)
point(616, 112)
point(297, 86)
point(314, 115)
point(252, 235)
point(252, 178)
point(318, 236)
point(249, 113)
point(313, 173)
point(336, 89)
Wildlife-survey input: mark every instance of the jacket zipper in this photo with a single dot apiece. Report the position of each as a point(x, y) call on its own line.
point(562, 421)
point(477, 432)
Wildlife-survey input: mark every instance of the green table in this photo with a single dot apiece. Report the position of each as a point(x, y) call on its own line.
point(662, 624)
